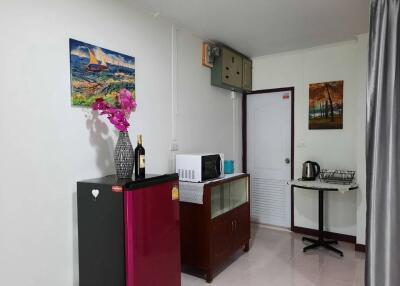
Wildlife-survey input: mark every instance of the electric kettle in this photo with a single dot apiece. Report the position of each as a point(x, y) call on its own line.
point(310, 171)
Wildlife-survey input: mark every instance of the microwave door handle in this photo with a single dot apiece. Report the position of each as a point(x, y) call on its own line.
point(218, 165)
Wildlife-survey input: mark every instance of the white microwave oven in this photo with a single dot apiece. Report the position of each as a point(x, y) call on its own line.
point(199, 167)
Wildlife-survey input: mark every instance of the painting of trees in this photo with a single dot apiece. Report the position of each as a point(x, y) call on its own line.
point(326, 105)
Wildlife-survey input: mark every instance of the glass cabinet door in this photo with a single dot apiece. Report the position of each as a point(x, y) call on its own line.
point(227, 196)
point(238, 192)
point(219, 200)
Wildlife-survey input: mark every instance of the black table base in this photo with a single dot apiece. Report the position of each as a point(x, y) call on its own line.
point(320, 241)
point(323, 243)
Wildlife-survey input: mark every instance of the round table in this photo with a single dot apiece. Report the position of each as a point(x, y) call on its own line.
point(321, 187)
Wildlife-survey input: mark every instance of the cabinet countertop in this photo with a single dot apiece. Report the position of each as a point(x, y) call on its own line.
point(191, 192)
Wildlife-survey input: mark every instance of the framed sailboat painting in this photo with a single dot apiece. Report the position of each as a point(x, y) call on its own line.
point(98, 73)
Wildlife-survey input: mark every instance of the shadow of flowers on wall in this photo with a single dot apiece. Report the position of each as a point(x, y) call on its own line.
point(101, 139)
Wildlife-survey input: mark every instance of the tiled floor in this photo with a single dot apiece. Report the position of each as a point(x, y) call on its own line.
point(276, 258)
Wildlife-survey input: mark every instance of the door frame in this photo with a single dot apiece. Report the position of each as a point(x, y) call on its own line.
point(244, 137)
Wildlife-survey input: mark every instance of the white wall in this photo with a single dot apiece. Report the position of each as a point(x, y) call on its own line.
point(331, 148)
point(46, 145)
point(205, 115)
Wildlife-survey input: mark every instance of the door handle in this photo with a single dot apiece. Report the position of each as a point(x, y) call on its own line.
point(234, 225)
point(287, 160)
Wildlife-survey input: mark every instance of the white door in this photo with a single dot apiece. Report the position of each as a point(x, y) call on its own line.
point(269, 156)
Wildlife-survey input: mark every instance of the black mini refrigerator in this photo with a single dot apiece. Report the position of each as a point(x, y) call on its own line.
point(128, 231)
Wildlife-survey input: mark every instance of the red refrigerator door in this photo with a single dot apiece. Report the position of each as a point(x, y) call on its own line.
point(152, 235)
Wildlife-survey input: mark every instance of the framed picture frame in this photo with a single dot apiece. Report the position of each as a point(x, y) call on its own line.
point(326, 105)
point(98, 73)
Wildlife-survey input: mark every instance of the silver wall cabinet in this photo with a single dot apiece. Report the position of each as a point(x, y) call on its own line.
point(232, 71)
point(247, 74)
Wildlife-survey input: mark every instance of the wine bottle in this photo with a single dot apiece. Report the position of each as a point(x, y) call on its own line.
point(139, 158)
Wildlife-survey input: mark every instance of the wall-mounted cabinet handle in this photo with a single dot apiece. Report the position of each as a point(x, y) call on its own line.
point(233, 59)
point(233, 228)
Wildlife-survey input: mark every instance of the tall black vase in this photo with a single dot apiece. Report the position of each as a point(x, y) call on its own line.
point(124, 156)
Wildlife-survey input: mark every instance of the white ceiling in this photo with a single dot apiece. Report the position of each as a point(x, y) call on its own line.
point(261, 27)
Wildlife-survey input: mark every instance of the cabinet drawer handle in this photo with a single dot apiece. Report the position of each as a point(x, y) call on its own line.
point(227, 68)
point(227, 76)
point(237, 72)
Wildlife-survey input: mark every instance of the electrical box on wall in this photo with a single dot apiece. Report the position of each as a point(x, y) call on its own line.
point(232, 71)
point(209, 52)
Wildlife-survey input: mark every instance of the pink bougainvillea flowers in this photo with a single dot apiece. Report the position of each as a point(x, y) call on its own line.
point(126, 101)
point(99, 104)
point(118, 115)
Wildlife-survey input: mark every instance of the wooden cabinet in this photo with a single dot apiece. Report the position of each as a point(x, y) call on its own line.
point(232, 71)
point(221, 247)
point(213, 231)
point(242, 227)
